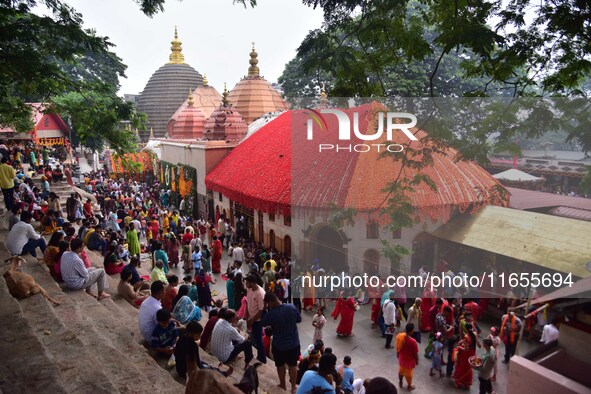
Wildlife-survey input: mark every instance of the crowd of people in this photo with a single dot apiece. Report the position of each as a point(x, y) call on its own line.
point(126, 219)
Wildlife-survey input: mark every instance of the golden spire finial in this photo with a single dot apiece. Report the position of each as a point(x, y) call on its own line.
point(176, 56)
point(190, 98)
point(225, 101)
point(253, 70)
point(151, 133)
point(323, 90)
point(205, 82)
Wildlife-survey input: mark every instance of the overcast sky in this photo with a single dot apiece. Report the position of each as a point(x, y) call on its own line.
point(216, 36)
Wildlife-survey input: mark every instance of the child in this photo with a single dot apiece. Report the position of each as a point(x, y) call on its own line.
point(267, 337)
point(165, 334)
point(187, 352)
point(196, 259)
point(496, 341)
point(436, 355)
point(348, 376)
point(318, 322)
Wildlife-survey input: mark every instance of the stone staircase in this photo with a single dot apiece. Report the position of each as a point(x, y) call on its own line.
point(85, 345)
point(90, 345)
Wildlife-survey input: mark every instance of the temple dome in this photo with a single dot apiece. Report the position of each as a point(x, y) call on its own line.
point(254, 96)
point(206, 98)
point(190, 122)
point(167, 89)
point(225, 123)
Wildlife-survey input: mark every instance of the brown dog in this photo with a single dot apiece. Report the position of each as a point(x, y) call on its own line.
point(210, 382)
point(21, 285)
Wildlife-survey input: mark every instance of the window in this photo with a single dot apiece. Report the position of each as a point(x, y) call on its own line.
point(287, 220)
point(272, 217)
point(397, 234)
point(221, 197)
point(372, 231)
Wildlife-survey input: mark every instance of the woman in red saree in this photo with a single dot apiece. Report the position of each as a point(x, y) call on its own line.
point(463, 371)
point(345, 308)
point(216, 255)
point(428, 300)
point(375, 296)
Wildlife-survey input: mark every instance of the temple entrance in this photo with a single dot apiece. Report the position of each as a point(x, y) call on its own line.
point(287, 246)
point(261, 232)
point(328, 249)
point(272, 239)
point(244, 222)
point(371, 262)
point(423, 252)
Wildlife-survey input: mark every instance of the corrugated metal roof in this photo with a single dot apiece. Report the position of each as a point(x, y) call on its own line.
point(549, 241)
point(573, 213)
point(530, 199)
point(580, 289)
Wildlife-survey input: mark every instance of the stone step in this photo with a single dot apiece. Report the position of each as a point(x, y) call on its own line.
point(267, 373)
point(23, 354)
point(115, 343)
point(64, 339)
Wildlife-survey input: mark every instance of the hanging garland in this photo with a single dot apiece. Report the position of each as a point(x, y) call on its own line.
point(131, 165)
point(181, 181)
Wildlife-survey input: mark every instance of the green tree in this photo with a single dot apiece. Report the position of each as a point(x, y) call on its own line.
point(47, 58)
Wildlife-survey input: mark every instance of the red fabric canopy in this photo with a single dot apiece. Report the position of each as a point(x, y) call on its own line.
point(278, 166)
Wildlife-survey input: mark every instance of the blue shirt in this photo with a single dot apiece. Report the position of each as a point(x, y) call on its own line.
point(348, 378)
point(312, 379)
point(196, 259)
point(135, 277)
point(164, 337)
point(283, 320)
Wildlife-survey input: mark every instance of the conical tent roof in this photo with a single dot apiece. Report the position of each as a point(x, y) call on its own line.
point(516, 175)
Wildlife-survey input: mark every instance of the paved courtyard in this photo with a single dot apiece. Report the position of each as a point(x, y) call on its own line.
point(367, 351)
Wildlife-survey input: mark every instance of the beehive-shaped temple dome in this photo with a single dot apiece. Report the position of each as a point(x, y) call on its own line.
point(206, 98)
point(225, 123)
point(167, 89)
point(254, 96)
point(189, 123)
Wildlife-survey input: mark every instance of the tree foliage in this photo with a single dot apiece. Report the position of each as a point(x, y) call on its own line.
point(53, 60)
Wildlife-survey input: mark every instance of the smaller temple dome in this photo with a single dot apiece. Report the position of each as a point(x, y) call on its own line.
point(206, 98)
point(254, 96)
point(225, 122)
point(190, 122)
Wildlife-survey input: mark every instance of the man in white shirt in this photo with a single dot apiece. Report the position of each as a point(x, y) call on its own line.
point(238, 253)
point(389, 311)
point(23, 239)
point(223, 335)
point(414, 317)
point(75, 274)
point(550, 332)
point(285, 283)
point(148, 309)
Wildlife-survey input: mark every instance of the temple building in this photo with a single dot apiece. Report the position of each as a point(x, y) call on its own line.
point(167, 90)
point(189, 123)
point(206, 98)
point(254, 96)
point(49, 129)
point(274, 172)
point(225, 123)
